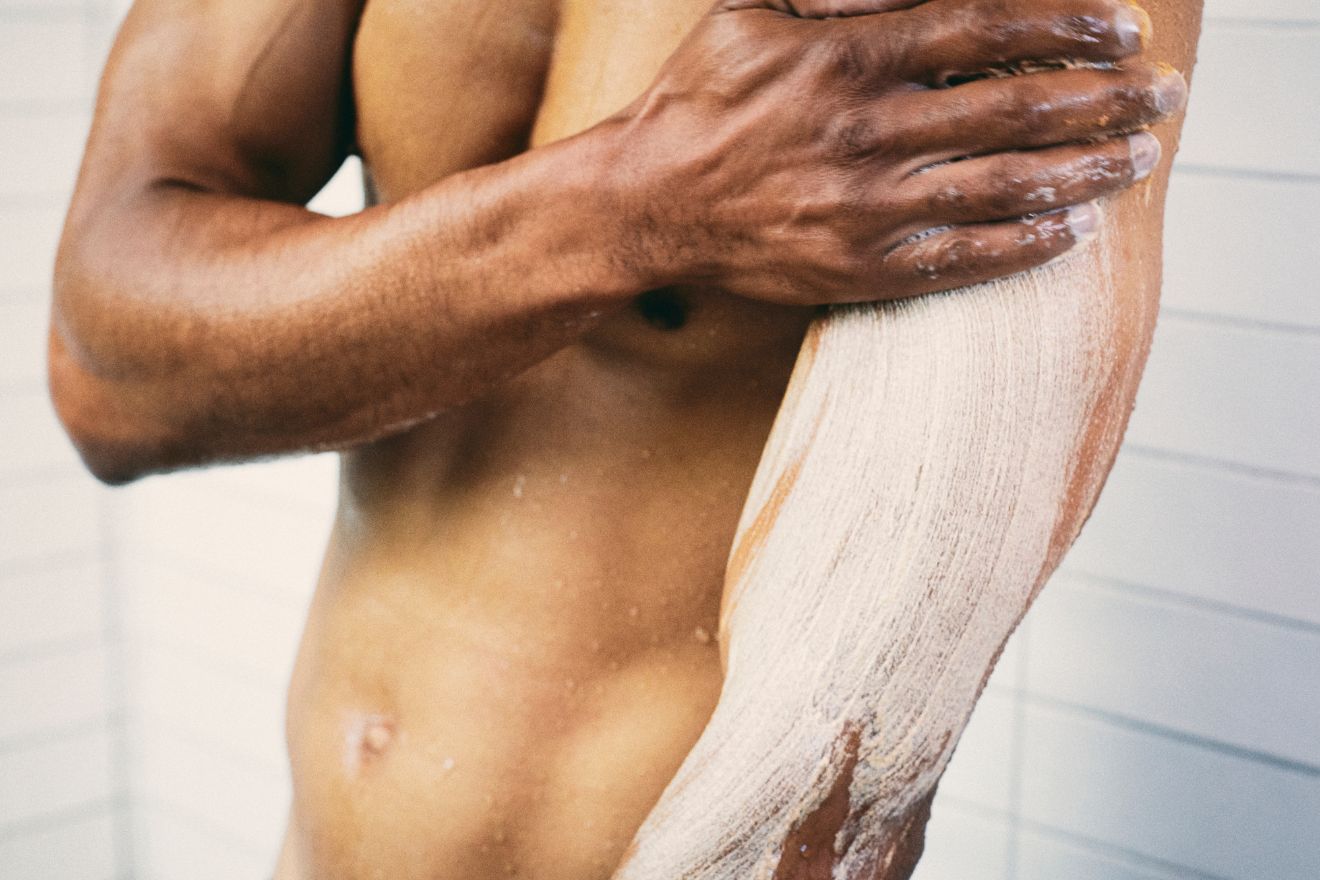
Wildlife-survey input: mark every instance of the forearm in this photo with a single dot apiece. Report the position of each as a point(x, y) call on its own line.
point(192, 326)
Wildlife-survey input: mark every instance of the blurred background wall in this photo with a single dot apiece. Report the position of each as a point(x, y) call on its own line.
point(1157, 717)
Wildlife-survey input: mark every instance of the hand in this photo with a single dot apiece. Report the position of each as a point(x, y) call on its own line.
point(811, 160)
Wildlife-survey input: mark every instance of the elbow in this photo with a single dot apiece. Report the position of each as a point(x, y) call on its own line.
point(111, 469)
point(115, 452)
point(97, 410)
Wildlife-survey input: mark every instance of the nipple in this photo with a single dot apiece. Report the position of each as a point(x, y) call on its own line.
point(663, 309)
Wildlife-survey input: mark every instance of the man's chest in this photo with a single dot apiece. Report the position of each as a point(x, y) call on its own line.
point(441, 85)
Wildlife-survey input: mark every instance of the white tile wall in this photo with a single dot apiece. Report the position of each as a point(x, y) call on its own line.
point(22, 342)
point(53, 605)
point(53, 692)
point(1048, 856)
point(82, 848)
point(49, 519)
point(1270, 10)
point(1157, 717)
point(1168, 799)
point(173, 845)
point(965, 843)
point(42, 445)
point(61, 789)
point(41, 152)
point(43, 60)
point(1211, 675)
point(1242, 263)
point(245, 802)
point(1213, 389)
point(60, 776)
point(29, 232)
point(1241, 118)
point(1207, 533)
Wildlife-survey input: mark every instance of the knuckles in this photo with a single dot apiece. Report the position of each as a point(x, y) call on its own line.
point(849, 135)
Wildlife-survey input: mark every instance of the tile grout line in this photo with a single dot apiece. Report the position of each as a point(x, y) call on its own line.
point(43, 822)
point(96, 18)
point(1211, 463)
point(1197, 169)
point(1183, 600)
point(1223, 320)
point(1017, 755)
point(1121, 854)
point(1172, 734)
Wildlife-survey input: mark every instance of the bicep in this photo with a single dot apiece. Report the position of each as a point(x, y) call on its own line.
point(245, 97)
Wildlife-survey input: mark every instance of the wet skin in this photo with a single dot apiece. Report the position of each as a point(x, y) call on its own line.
point(554, 367)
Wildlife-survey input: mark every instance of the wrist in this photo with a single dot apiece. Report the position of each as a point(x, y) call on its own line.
point(616, 174)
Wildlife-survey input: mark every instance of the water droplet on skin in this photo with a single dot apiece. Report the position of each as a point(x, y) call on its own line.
point(702, 635)
point(573, 535)
point(804, 851)
point(519, 483)
point(633, 612)
point(447, 765)
point(563, 478)
point(570, 684)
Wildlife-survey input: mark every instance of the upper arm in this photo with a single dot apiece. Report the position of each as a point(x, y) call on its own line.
point(931, 462)
point(249, 97)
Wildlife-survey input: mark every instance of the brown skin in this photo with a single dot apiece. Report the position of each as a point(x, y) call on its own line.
point(555, 366)
point(190, 340)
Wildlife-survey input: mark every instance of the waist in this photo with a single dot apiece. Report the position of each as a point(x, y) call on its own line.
point(512, 646)
point(435, 733)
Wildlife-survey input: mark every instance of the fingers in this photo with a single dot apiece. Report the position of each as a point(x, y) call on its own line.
point(1006, 185)
point(948, 38)
point(1039, 109)
point(962, 255)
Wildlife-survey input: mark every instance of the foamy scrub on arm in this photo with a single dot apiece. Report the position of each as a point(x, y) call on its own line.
point(931, 463)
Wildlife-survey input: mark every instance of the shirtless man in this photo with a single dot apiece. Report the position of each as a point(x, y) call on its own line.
point(552, 350)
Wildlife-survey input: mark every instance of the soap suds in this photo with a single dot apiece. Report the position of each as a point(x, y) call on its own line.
point(908, 505)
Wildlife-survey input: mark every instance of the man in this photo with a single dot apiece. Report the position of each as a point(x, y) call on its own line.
point(552, 351)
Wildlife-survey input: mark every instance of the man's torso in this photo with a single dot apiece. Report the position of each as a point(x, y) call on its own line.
point(512, 645)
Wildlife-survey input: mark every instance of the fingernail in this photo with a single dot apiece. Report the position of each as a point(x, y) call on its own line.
point(1133, 27)
point(1146, 150)
point(1083, 221)
point(1170, 91)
